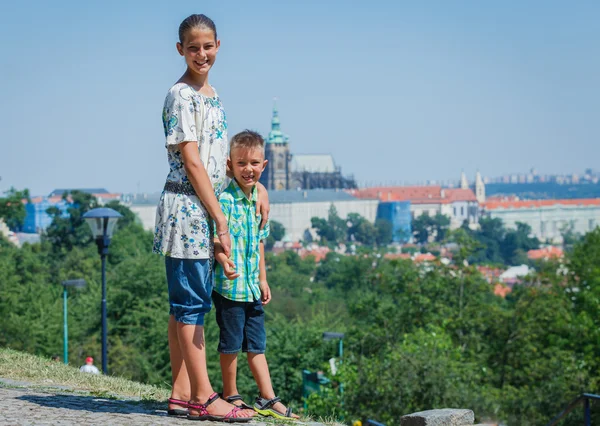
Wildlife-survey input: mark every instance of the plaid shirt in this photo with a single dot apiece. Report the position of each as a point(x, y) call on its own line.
point(245, 251)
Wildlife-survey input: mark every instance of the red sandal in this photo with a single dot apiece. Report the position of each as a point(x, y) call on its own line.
point(177, 411)
point(231, 417)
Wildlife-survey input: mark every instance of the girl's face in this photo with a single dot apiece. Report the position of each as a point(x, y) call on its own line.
point(199, 49)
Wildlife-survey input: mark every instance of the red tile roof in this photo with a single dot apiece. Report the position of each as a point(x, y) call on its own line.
point(397, 255)
point(530, 204)
point(501, 290)
point(550, 252)
point(416, 194)
point(424, 257)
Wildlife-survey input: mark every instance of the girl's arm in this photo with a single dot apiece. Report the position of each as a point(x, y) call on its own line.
point(196, 173)
point(262, 204)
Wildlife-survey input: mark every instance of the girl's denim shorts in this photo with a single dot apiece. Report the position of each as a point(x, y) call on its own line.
point(190, 284)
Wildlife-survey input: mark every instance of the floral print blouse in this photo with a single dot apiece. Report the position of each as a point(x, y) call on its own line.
point(182, 223)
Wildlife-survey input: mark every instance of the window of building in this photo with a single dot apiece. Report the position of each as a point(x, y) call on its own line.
point(462, 210)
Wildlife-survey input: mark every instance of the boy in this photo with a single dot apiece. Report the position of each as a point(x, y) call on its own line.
point(241, 287)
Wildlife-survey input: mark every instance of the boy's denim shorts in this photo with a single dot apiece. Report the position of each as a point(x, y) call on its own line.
point(190, 284)
point(242, 326)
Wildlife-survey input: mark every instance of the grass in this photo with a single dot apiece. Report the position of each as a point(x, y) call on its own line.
point(45, 373)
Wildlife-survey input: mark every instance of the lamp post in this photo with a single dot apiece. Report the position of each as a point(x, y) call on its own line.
point(102, 222)
point(79, 283)
point(330, 335)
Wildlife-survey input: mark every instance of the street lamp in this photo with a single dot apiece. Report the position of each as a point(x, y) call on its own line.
point(79, 283)
point(102, 222)
point(330, 335)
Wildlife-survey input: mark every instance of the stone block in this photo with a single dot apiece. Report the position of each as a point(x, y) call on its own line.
point(442, 417)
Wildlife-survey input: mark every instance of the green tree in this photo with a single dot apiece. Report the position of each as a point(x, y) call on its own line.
point(383, 232)
point(277, 232)
point(441, 224)
point(332, 230)
point(65, 233)
point(12, 209)
point(422, 228)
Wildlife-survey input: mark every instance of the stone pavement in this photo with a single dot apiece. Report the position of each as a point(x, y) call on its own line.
point(31, 406)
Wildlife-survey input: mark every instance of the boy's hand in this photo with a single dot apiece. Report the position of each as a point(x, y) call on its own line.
point(229, 268)
point(265, 292)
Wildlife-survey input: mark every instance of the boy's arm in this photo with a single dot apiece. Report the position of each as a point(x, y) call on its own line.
point(265, 290)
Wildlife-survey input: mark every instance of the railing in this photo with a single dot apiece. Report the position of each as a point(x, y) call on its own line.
point(585, 398)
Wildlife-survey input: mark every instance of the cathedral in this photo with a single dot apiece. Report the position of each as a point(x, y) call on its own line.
point(286, 171)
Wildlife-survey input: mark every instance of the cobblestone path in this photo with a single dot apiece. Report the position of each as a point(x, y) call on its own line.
point(31, 406)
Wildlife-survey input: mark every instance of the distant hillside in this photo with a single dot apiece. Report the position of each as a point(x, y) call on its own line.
point(541, 191)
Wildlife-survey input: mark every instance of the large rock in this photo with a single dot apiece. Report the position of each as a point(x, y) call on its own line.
point(443, 417)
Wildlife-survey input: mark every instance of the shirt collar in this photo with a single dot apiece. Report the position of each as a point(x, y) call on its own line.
point(238, 193)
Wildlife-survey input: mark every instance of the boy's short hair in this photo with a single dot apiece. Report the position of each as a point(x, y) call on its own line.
point(247, 139)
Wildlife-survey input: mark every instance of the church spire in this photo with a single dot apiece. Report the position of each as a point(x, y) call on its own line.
point(464, 183)
point(275, 135)
point(479, 188)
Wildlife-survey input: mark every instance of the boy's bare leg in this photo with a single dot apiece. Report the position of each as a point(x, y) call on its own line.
point(193, 348)
point(260, 371)
point(229, 374)
point(181, 381)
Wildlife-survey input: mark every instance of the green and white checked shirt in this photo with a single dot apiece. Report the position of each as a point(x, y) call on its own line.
point(245, 250)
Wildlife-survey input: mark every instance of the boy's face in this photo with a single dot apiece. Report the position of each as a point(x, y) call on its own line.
point(247, 164)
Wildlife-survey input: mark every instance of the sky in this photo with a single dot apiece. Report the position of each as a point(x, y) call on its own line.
point(397, 91)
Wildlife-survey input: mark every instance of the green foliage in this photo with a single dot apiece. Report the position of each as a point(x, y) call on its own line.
point(355, 228)
point(426, 227)
point(12, 209)
point(333, 230)
point(492, 243)
point(277, 232)
point(417, 337)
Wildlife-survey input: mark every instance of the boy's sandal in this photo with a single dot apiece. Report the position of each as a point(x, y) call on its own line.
point(231, 399)
point(231, 417)
point(264, 407)
point(177, 411)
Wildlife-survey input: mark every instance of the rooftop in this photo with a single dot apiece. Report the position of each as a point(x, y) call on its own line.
point(313, 163)
point(309, 196)
point(549, 252)
point(533, 204)
point(416, 194)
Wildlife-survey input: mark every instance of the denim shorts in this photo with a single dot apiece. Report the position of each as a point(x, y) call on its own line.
point(241, 324)
point(190, 284)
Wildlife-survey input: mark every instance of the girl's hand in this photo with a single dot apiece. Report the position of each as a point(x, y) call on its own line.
point(262, 204)
point(225, 241)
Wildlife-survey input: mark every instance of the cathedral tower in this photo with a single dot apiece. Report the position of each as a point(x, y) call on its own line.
point(479, 188)
point(464, 183)
point(278, 174)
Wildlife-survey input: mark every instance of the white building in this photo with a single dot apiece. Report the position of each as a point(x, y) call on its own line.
point(459, 204)
point(547, 218)
point(295, 209)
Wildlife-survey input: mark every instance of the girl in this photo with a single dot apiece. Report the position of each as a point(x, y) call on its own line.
point(197, 149)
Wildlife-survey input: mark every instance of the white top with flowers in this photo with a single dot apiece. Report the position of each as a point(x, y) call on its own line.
point(182, 222)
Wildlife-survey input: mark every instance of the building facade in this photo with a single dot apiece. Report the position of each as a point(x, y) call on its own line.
point(398, 214)
point(548, 219)
point(458, 204)
point(295, 209)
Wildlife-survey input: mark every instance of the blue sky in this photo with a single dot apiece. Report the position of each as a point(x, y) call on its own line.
point(396, 91)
